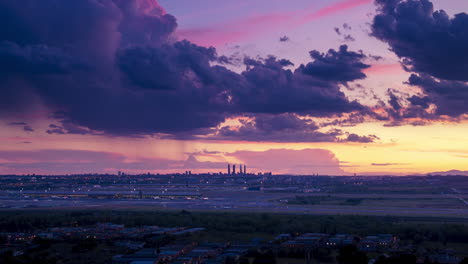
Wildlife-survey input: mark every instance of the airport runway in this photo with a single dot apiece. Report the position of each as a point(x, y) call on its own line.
point(254, 204)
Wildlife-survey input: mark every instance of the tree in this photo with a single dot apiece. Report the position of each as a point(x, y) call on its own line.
point(400, 259)
point(350, 254)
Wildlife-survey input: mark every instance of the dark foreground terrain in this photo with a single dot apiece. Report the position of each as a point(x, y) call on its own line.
point(143, 237)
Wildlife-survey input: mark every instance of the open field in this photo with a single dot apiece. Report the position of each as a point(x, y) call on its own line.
point(266, 207)
point(305, 195)
point(430, 205)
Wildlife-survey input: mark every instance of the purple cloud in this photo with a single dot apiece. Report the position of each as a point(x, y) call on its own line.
point(123, 81)
point(24, 125)
point(430, 44)
point(284, 128)
point(288, 161)
point(284, 39)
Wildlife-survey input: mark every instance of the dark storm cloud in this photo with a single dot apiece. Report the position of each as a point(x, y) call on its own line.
point(112, 67)
point(340, 66)
point(54, 129)
point(451, 97)
point(407, 110)
point(394, 101)
point(422, 101)
point(428, 41)
point(82, 28)
point(24, 125)
point(337, 31)
point(284, 39)
point(276, 128)
point(432, 45)
point(349, 38)
point(269, 87)
point(349, 120)
point(144, 22)
point(34, 59)
point(99, 96)
point(361, 139)
point(42, 44)
point(342, 32)
point(284, 128)
point(28, 129)
point(68, 127)
point(172, 64)
point(17, 124)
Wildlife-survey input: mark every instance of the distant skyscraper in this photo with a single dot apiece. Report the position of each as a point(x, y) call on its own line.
point(234, 169)
point(229, 169)
point(245, 169)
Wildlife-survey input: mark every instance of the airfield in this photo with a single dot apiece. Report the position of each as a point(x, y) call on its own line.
point(428, 205)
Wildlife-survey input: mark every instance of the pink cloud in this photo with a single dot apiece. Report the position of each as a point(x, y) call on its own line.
point(68, 161)
point(228, 7)
point(232, 32)
point(288, 161)
point(385, 69)
point(251, 27)
point(332, 9)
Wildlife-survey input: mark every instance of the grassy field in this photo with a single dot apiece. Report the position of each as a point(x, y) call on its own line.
point(253, 224)
point(363, 200)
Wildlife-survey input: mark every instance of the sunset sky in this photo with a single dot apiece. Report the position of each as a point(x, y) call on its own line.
point(332, 87)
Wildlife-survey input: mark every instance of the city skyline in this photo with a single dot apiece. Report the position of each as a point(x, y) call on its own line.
point(330, 87)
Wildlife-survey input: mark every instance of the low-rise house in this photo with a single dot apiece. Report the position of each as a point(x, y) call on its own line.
point(283, 237)
point(168, 255)
point(378, 242)
point(188, 231)
point(146, 254)
point(133, 245)
point(183, 260)
point(12, 238)
point(443, 258)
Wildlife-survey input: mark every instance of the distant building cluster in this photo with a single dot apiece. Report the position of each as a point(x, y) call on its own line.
point(368, 243)
point(179, 253)
point(242, 169)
